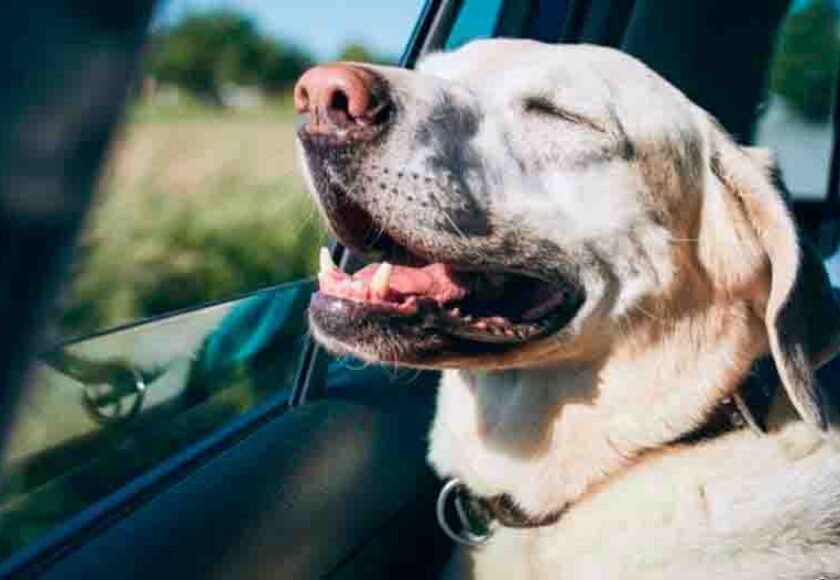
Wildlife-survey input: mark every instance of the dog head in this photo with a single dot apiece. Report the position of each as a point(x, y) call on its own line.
point(529, 204)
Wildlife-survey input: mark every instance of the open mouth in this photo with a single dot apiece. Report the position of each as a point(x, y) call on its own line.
point(413, 306)
point(502, 308)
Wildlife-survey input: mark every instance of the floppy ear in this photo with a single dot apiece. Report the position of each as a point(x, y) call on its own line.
point(800, 313)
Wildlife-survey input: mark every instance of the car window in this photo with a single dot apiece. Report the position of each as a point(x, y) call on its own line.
point(186, 304)
point(476, 19)
point(796, 117)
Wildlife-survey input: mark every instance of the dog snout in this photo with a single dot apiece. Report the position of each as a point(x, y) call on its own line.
point(341, 99)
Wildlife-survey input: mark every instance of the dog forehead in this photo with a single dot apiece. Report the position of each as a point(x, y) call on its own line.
point(511, 64)
point(482, 58)
point(505, 62)
point(592, 80)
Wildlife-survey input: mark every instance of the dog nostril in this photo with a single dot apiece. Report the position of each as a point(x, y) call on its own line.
point(301, 99)
point(339, 97)
point(340, 102)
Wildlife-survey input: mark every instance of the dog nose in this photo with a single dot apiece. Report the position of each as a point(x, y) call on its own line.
point(340, 96)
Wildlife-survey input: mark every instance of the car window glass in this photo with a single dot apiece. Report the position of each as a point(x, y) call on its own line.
point(476, 19)
point(201, 199)
point(796, 118)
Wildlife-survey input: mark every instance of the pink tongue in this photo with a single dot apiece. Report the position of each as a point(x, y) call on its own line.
point(433, 282)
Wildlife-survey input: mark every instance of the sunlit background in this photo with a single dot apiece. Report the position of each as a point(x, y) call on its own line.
point(322, 28)
point(201, 199)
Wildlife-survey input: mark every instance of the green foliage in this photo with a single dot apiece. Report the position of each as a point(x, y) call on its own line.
point(192, 211)
point(165, 252)
point(199, 203)
point(281, 68)
point(202, 52)
point(806, 61)
point(357, 52)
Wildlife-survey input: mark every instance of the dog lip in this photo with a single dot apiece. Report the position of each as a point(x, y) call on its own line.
point(546, 305)
point(426, 316)
point(354, 310)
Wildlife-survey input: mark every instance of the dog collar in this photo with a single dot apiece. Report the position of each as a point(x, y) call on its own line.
point(477, 516)
point(746, 407)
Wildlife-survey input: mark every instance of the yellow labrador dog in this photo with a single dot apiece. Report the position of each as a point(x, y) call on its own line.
point(596, 266)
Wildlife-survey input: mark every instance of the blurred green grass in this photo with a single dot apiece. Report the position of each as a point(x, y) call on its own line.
point(196, 204)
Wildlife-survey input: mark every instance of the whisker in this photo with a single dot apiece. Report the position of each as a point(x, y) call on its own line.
point(454, 225)
point(647, 313)
point(683, 240)
point(347, 365)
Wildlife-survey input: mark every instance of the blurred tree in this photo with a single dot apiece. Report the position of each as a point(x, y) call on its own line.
point(806, 62)
point(282, 65)
point(358, 52)
point(203, 52)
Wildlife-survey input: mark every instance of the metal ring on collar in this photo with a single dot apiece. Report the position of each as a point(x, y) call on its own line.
point(465, 537)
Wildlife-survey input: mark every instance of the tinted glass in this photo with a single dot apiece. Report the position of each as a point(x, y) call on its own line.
point(476, 19)
point(101, 411)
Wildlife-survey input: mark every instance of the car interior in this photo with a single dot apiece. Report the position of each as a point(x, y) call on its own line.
point(324, 475)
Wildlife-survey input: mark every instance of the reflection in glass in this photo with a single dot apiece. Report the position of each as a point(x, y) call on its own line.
point(101, 411)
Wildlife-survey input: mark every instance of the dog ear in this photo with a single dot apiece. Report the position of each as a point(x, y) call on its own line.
point(801, 316)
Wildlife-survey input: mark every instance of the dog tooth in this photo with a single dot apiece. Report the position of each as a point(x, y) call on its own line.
point(326, 262)
point(381, 281)
point(456, 312)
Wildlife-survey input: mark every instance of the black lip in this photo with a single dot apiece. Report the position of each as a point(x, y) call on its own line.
point(358, 322)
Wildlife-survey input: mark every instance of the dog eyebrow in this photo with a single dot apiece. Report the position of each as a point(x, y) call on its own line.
point(545, 106)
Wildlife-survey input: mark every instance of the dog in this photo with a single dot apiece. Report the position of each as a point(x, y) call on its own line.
point(596, 266)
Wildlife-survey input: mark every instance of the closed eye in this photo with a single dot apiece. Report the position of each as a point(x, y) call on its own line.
point(543, 106)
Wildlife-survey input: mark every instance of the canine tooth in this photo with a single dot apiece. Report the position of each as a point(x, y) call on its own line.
point(381, 281)
point(455, 312)
point(326, 262)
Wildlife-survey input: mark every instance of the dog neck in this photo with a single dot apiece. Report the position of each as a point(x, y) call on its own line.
point(548, 436)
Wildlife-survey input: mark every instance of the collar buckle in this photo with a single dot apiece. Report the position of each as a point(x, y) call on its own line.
point(475, 521)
